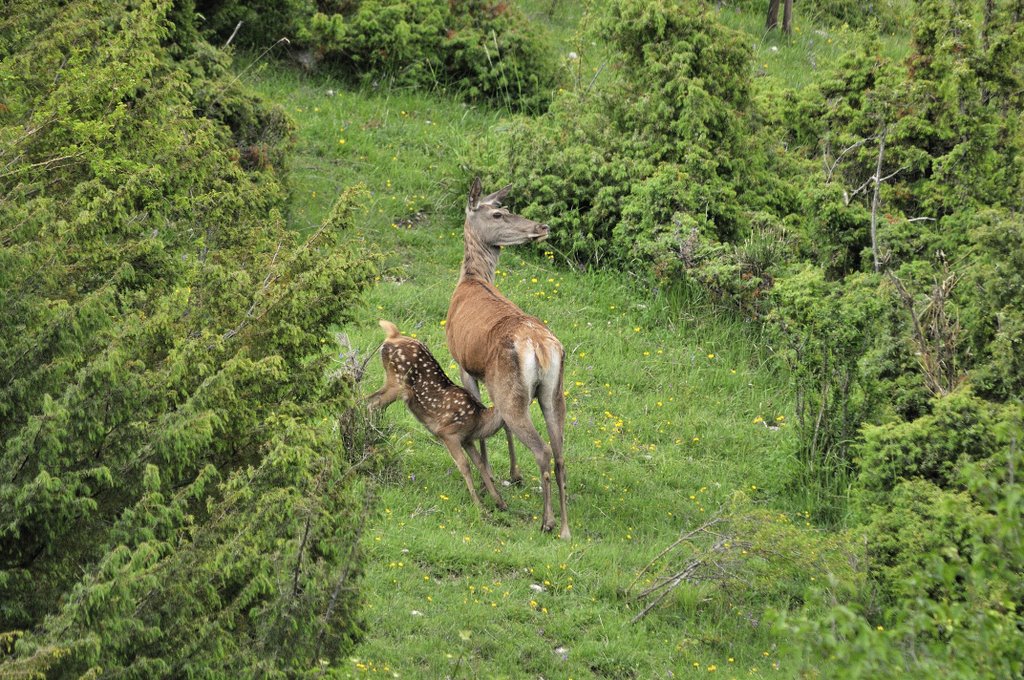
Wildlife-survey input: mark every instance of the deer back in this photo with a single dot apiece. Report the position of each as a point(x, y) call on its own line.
point(488, 335)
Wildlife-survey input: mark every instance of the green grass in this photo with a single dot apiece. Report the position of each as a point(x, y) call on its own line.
point(802, 58)
point(666, 400)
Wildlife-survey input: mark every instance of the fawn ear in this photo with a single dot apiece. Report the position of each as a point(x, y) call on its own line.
point(498, 196)
point(474, 195)
point(390, 329)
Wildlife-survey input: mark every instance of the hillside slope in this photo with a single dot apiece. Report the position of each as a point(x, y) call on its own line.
point(669, 412)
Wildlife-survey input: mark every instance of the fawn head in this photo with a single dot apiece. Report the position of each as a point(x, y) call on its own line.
point(494, 226)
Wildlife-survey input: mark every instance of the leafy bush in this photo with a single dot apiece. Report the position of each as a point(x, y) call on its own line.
point(953, 566)
point(629, 168)
point(483, 50)
point(491, 53)
point(993, 303)
point(174, 502)
point(918, 523)
point(826, 332)
point(934, 447)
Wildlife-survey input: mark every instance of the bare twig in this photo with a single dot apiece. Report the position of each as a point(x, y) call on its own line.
point(876, 199)
point(48, 164)
point(594, 79)
point(241, 73)
point(685, 537)
point(233, 34)
point(856, 145)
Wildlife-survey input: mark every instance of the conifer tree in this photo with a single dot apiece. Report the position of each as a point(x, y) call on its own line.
point(175, 496)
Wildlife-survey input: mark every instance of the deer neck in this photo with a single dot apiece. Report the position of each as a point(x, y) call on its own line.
point(480, 259)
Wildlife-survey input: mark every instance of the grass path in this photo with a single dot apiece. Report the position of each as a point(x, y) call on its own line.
point(661, 430)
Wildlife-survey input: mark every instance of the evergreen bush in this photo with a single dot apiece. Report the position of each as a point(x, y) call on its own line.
point(175, 500)
point(483, 50)
point(627, 170)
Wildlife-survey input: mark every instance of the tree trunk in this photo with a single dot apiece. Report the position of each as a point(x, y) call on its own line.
point(773, 15)
point(787, 16)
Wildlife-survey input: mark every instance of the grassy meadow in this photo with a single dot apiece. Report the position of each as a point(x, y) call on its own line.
point(673, 412)
point(782, 269)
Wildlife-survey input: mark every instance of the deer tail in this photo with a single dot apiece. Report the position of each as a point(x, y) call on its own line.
point(389, 328)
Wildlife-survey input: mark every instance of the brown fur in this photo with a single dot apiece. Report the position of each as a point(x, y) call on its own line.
point(515, 354)
point(449, 412)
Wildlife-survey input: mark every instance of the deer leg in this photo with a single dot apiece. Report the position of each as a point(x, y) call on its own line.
point(459, 457)
point(517, 418)
point(470, 383)
point(385, 395)
point(552, 405)
point(485, 474)
point(514, 475)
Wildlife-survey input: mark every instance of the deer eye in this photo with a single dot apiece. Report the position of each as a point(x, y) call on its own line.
point(496, 214)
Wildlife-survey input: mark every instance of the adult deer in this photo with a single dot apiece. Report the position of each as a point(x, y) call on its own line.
point(515, 354)
point(448, 411)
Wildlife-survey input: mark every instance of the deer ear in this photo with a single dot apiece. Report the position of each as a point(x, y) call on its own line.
point(474, 195)
point(498, 196)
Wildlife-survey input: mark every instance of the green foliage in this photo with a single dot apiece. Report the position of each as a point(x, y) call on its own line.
point(918, 523)
point(174, 501)
point(952, 563)
point(492, 53)
point(391, 39)
point(483, 50)
point(909, 151)
point(827, 330)
point(626, 168)
point(934, 447)
point(993, 303)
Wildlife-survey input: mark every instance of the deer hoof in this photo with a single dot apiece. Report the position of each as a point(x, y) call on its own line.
point(565, 536)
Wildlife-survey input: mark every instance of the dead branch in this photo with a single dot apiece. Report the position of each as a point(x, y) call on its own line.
point(876, 198)
point(934, 335)
point(830, 170)
point(233, 34)
point(685, 537)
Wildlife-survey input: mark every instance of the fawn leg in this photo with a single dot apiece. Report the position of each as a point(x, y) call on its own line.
point(471, 385)
point(459, 457)
point(384, 396)
point(485, 474)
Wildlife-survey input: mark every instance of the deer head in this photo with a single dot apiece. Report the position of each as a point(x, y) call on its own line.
point(492, 225)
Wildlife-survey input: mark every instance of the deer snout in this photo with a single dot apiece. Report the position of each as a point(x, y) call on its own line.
point(541, 232)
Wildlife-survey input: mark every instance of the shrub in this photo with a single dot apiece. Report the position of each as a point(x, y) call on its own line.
point(826, 330)
point(934, 447)
point(953, 566)
point(174, 503)
point(483, 50)
point(629, 168)
point(917, 523)
point(492, 54)
point(992, 294)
